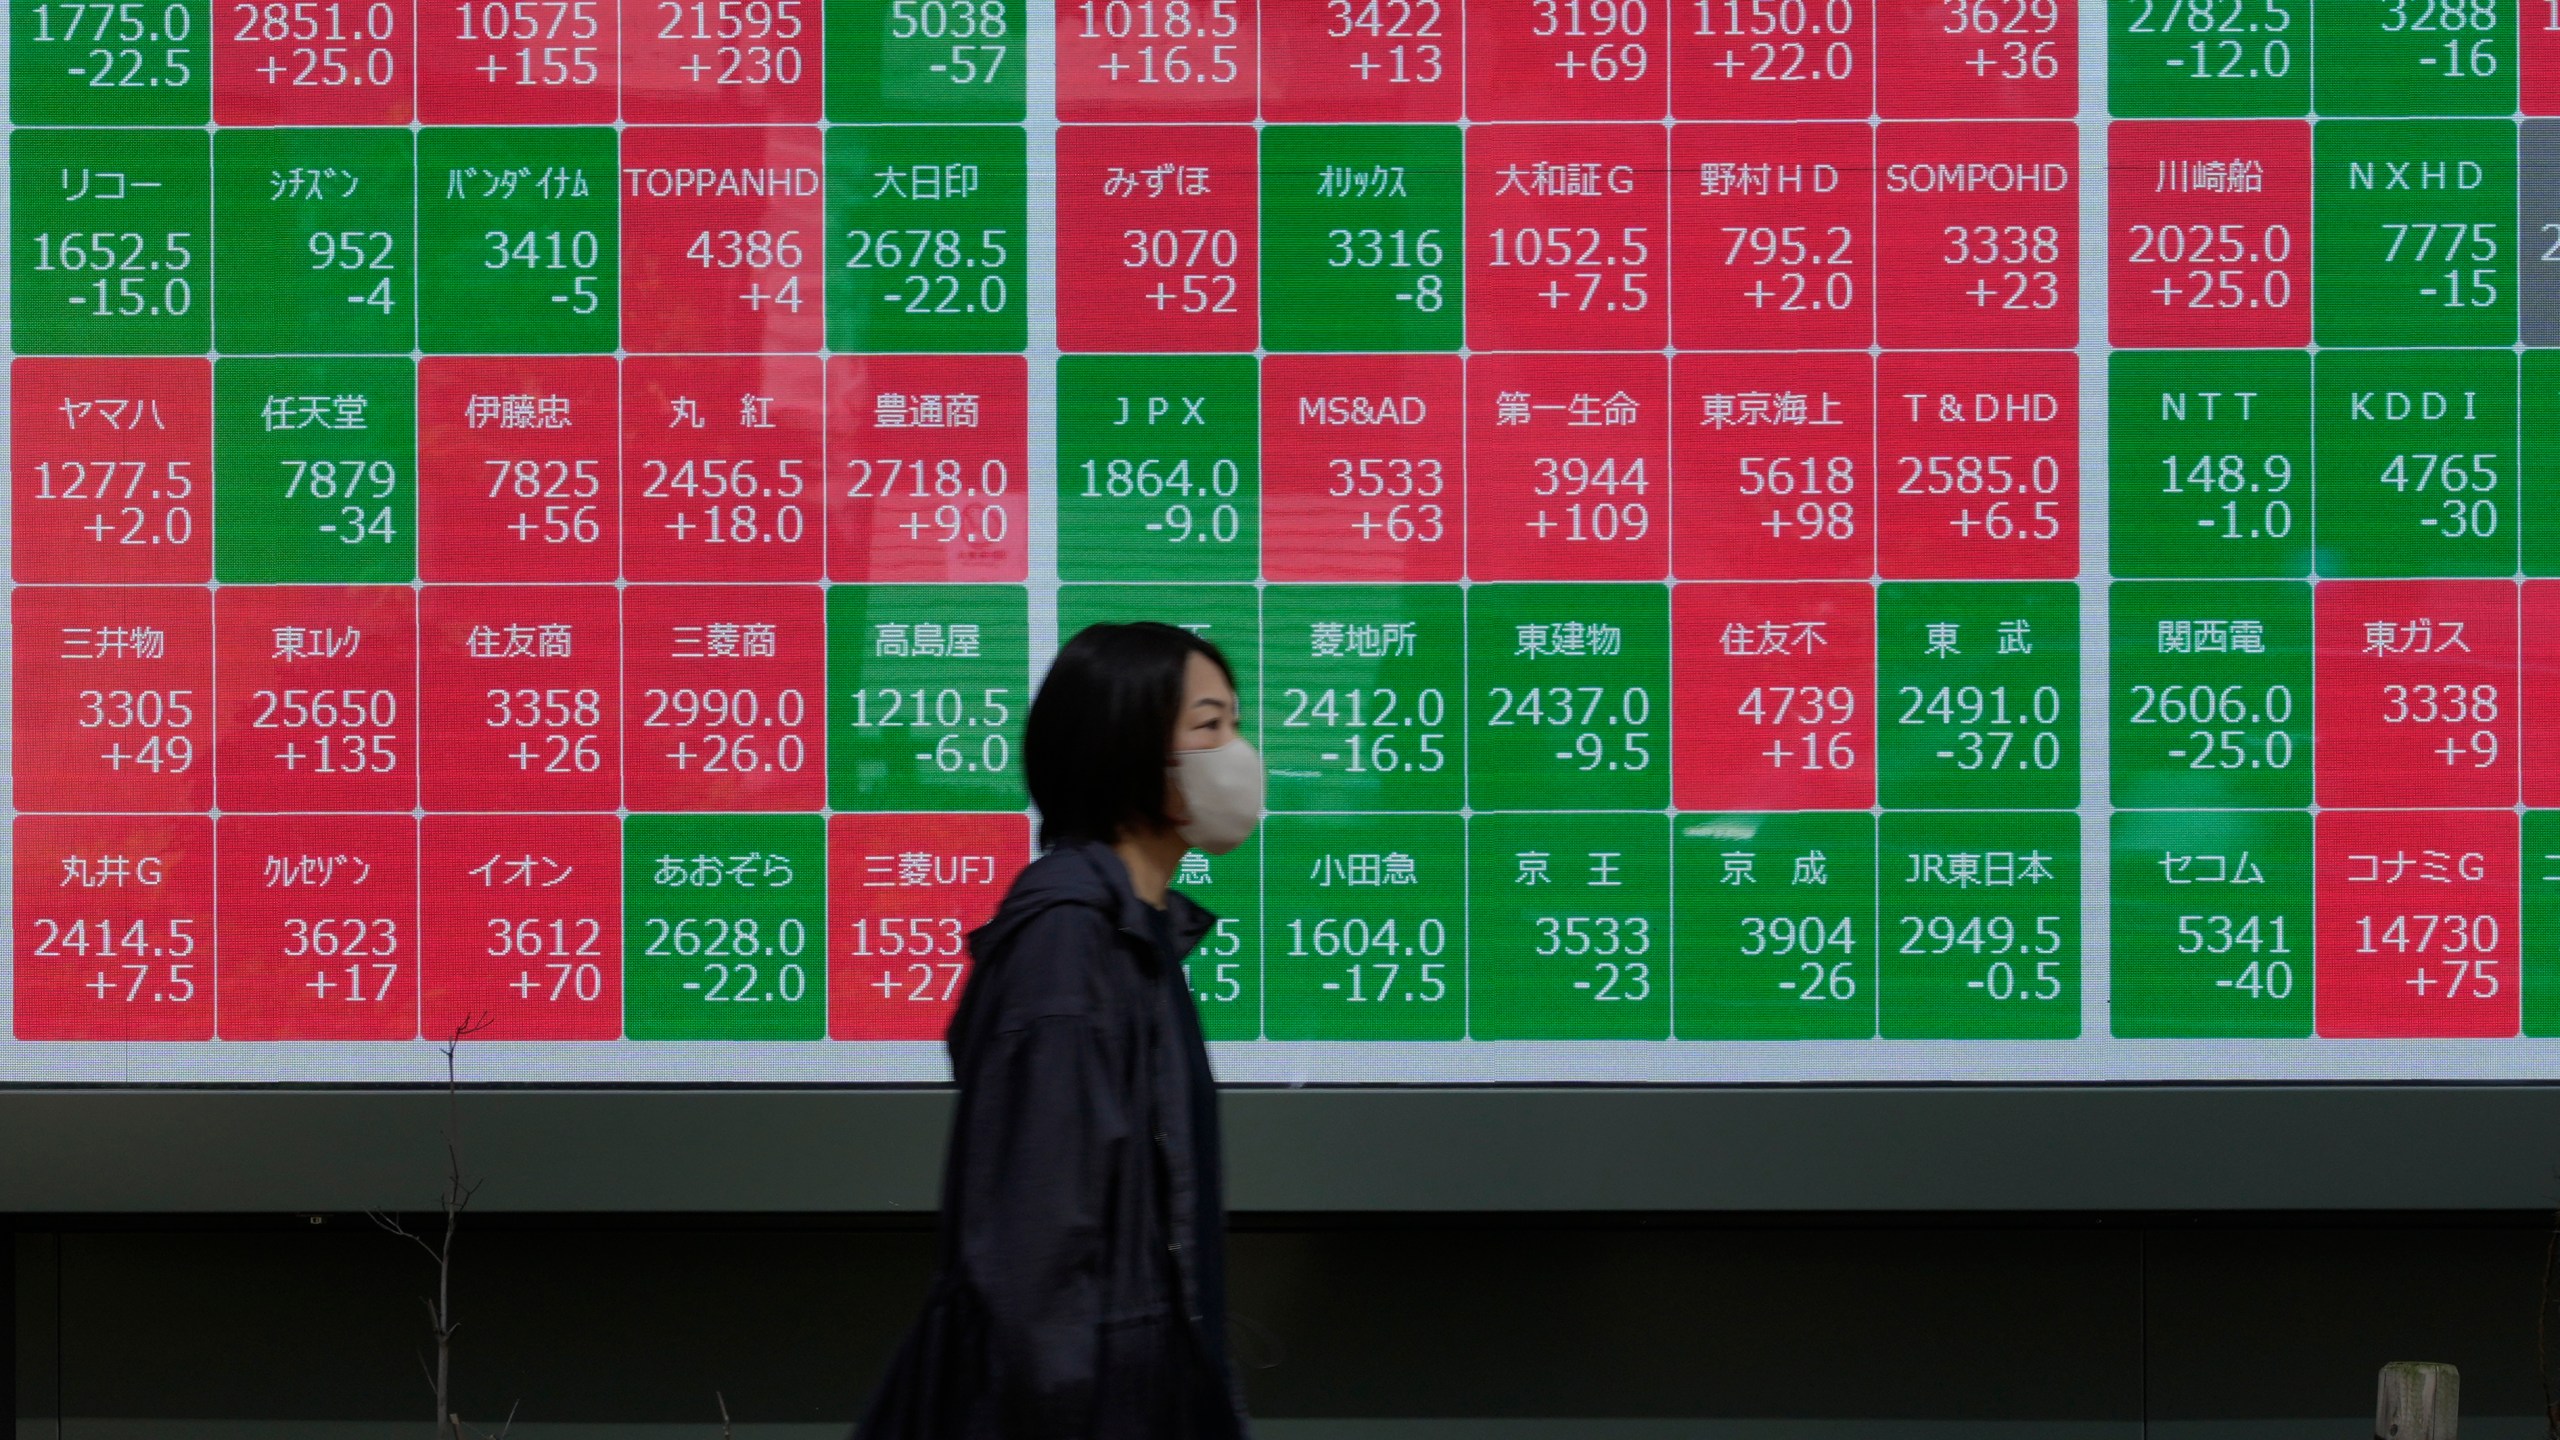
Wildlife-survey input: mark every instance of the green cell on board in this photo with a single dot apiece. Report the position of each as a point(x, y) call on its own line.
point(317, 241)
point(113, 233)
point(1227, 616)
point(1571, 923)
point(1978, 694)
point(1980, 914)
point(315, 470)
point(2413, 228)
point(2540, 914)
point(2418, 467)
point(1363, 237)
point(2538, 480)
point(519, 240)
point(2201, 59)
point(1777, 922)
point(1570, 697)
point(1225, 968)
point(1159, 468)
point(1364, 927)
point(2211, 693)
point(110, 62)
point(724, 924)
point(928, 238)
point(2211, 918)
point(2209, 463)
point(927, 687)
point(1364, 697)
point(2415, 57)
point(912, 61)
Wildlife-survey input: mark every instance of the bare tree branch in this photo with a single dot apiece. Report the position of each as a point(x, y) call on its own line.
point(458, 1191)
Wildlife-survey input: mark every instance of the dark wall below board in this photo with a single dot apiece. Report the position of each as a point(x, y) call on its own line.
point(1384, 1328)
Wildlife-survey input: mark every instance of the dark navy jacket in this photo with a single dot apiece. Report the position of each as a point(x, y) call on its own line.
point(1082, 1285)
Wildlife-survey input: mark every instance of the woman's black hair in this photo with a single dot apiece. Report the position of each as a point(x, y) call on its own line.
point(1101, 729)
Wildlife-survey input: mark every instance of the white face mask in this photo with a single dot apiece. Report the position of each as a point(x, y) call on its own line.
point(1222, 789)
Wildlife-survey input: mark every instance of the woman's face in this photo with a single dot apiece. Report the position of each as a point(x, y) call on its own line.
point(1206, 721)
point(1208, 717)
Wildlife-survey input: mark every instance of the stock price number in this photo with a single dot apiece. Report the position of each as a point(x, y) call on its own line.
point(1782, 40)
point(1590, 712)
point(1373, 723)
point(2224, 716)
point(733, 726)
point(2232, 475)
point(1807, 481)
point(735, 950)
point(2261, 938)
point(972, 742)
point(1823, 949)
point(1987, 724)
point(931, 268)
point(2453, 707)
point(1390, 960)
point(1413, 26)
point(145, 717)
point(924, 955)
point(1614, 944)
point(348, 731)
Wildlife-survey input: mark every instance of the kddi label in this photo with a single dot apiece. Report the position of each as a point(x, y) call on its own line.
point(2413, 405)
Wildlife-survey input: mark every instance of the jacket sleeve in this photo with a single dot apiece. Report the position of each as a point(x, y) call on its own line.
point(1040, 1124)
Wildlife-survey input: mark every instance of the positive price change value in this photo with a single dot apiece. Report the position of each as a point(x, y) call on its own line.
point(1761, 540)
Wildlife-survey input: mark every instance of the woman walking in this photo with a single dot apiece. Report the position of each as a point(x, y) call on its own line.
point(1081, 1289)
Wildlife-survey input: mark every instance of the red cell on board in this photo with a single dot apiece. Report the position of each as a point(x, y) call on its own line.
point(2195, 259)
point(550, 63)
point(1978, 466)
point(1978, 59)
point(2538, 61)
point(1758, 60)
point(722, 62)
point(1978, 235)
point(1363, 468)
point(1565, 243)
point(724, 468)
point(2539, 665)
point(1567, 60)
point(1773, 696)
point(931, 468)
point(723, 239)
point(2417, 932)
point(521, 689)
point(1773, 466)
point(2416, 684)
point(1363, 60)
point(518, 468)
point(1158, 238)
point(114, 462)
point(904, 893)
point(1568, 464)
point(313, 63)
point(724, 697)
point(522, 921)
point(1773, 230)
point(316, 705)
point(1156, 60)
point(319, 927)
point(112, 698)
point(114, 924)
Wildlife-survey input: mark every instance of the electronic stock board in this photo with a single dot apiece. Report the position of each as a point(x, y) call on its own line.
point(1762, 540)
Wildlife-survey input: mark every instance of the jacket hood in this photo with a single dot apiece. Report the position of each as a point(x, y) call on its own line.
point(1092, 875)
